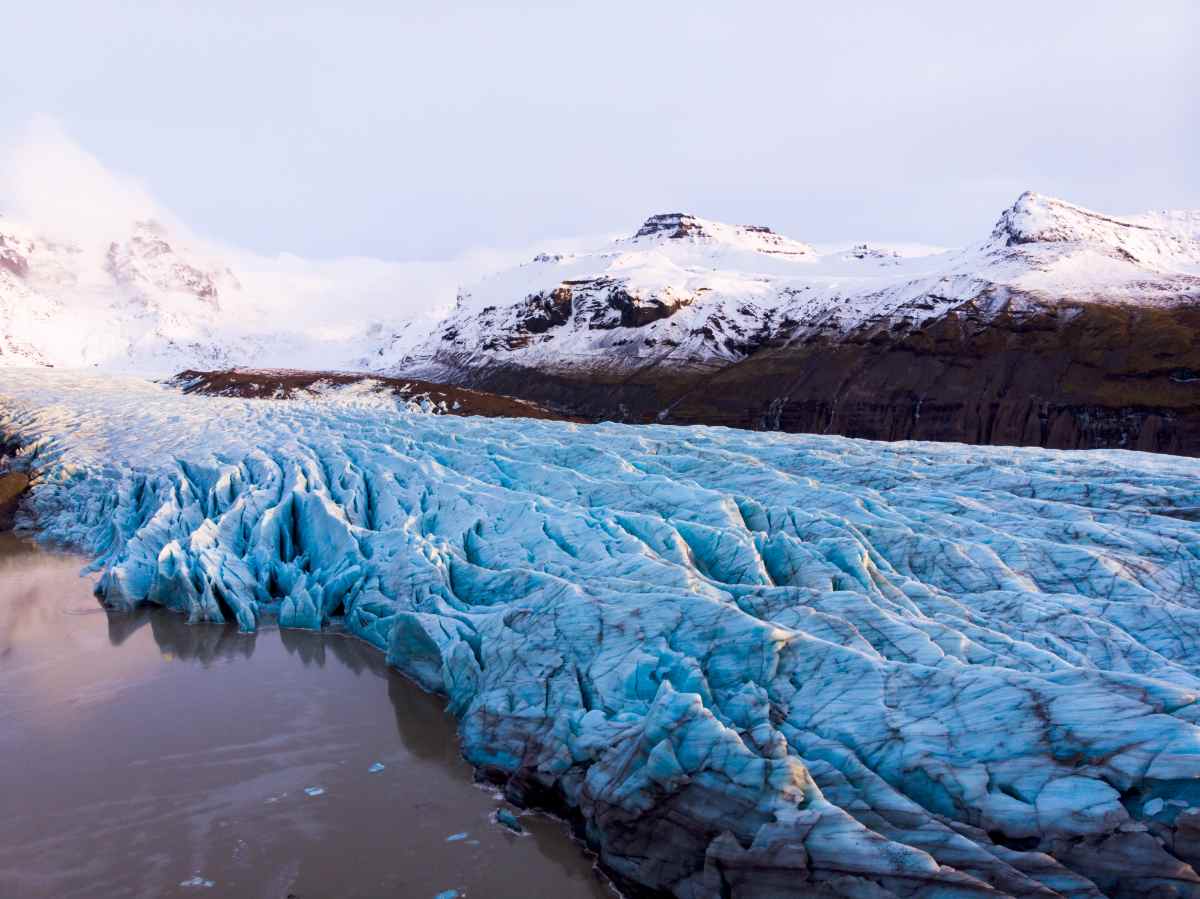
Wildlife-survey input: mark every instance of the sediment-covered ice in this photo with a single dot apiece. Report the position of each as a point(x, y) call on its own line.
point(750, 664)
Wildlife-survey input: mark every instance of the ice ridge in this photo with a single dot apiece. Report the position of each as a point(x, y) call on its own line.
point(749, 664)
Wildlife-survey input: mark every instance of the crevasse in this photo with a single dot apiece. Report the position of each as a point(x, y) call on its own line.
point(751, 664)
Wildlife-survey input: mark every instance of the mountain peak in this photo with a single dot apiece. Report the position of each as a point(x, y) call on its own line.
point(685, 227)
point(1164, 241)
point(680, 226)
point(1035, 218)
point(670, 224)
point(146, 261)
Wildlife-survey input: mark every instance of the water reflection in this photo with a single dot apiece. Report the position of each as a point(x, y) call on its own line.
point(153, 751)
point(122, 626)
point(421, 717)
point(203, 643)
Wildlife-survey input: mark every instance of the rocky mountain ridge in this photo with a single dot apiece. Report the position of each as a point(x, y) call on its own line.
point(1063, 328)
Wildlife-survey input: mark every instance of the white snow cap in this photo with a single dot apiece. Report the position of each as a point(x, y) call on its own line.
point(94, 272)
point(756, 238)
point(706, 292)
point(1156, 239)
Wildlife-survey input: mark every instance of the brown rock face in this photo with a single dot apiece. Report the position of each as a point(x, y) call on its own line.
point(267, 384)
point(12, 485)
point(1067, 376)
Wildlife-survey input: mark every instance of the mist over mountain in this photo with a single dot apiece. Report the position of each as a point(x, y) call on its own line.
point(95, 272)
point(1061, 326)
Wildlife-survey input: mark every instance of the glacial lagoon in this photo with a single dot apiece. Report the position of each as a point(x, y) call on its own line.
point(153, 758)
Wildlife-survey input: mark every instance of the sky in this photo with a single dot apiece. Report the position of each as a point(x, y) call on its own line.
point(422, 131)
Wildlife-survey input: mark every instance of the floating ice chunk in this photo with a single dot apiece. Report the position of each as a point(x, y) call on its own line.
point(376, 768)
point(1152, 808)
point(197, 881)
point(314, 791)
point(505, 818)
point(455, 837)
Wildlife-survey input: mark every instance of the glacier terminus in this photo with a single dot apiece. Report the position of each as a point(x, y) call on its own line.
point(740, 663)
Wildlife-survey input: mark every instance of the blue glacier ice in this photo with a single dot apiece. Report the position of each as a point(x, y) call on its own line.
point(507, 819)
point(746, 664)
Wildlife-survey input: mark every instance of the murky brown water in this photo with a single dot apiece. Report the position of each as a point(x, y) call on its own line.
point(138, 752)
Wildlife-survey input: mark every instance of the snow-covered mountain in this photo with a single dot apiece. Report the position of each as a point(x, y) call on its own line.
point(1062, 327)
point(136, 298)
point(145, 297)
point(683, 291)
point(691, 292)
point(95, 271)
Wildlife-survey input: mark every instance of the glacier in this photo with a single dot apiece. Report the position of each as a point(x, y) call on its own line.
point(747, 664)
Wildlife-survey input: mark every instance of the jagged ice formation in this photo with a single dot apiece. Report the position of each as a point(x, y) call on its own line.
point(750, 664)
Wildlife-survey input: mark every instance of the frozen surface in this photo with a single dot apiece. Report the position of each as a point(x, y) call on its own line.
point(753, 662)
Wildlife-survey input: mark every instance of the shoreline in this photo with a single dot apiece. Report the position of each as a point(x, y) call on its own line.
point(704, 765)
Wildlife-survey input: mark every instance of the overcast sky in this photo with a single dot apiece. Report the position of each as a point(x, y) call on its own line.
point(412, 130)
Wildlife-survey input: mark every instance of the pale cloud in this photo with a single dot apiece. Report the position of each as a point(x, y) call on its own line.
point(51, 183)
point(421, 130)
point(55, 188)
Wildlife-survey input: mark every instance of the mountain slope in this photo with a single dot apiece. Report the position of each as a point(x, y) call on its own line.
point(135, 297)
point(1063, 328)
point(145, 297)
